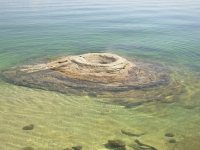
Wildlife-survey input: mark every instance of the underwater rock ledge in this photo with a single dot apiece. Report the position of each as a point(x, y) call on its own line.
point(97, 72)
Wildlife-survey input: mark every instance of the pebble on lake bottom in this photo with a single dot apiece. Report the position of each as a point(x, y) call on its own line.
point(116, 143)
point(29, 127)
point(172, 141)
point(77, 147)
point(169, 134)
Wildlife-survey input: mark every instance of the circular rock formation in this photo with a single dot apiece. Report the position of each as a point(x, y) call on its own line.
point(104, 71)
point(93, 71)
point(94, 67)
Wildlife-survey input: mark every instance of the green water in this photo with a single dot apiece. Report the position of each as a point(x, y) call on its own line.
point(163, 32)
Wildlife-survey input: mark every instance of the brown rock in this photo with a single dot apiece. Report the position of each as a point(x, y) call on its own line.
point(77, 147)
point(169, 134)
point(132, 132)
point(29, 127)
point(172, 141)
point(116, 143)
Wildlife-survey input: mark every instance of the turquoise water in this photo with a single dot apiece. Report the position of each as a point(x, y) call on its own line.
point(165, 32)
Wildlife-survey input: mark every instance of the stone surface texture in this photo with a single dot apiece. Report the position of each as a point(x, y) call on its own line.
point(103, 67)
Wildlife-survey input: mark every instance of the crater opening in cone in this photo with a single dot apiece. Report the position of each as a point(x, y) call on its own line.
point(99, 59)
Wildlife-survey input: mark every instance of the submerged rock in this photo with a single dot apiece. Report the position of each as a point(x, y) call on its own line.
point(97, 74)
point(77, 147)
point(144, 146)
point(132, 132)
point(172, 141)
point(93, 71)
point(116, 143)
point(29, 127)
point(169, 134)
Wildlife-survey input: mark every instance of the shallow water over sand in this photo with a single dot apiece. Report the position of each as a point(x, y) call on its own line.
point(164, 32)
point(66, 120)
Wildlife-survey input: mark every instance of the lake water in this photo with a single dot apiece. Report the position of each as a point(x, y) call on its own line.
point(159, 31)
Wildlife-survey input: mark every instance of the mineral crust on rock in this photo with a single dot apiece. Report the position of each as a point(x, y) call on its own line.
point(94, 67)
point(97, 72)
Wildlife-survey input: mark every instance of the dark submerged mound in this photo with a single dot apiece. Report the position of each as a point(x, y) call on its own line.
point(93, 71)
point(94, 74)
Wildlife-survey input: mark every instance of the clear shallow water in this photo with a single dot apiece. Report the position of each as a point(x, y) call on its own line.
point(165, 32)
